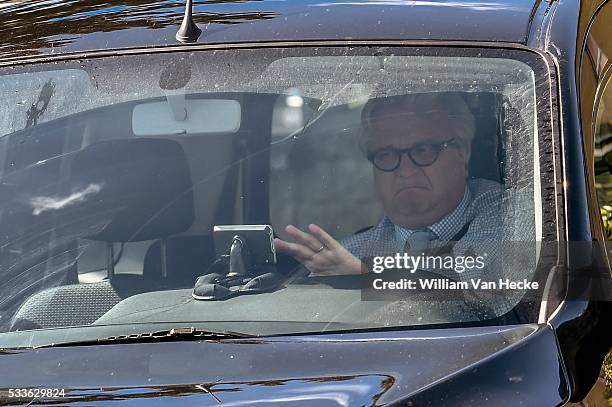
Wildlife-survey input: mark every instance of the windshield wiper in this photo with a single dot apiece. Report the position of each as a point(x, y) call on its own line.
point(174, 334)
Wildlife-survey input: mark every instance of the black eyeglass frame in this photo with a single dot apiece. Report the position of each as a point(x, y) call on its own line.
point(438, 148)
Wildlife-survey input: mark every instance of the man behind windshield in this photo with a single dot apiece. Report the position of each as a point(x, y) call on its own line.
point(419, 146)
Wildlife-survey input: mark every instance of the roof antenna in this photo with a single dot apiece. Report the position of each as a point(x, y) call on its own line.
point(189, 31)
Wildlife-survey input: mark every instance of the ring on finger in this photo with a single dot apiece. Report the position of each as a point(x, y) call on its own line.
point(320, 249)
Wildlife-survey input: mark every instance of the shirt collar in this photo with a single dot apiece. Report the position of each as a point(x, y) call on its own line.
point(446, 227)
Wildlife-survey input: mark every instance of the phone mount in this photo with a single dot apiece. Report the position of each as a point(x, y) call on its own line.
point(239, 257)
point(236, 273)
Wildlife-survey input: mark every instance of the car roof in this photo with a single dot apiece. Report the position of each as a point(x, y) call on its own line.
point(51, 27)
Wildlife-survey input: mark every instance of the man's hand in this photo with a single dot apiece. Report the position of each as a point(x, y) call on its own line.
point(319, 252)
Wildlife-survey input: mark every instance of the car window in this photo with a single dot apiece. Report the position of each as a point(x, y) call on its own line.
point(596, 105)
point(603, 136)
point(120, 176)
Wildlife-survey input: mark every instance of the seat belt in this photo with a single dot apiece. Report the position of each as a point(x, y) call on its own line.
point(447, 248)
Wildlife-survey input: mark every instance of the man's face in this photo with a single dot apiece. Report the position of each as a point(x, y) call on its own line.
point(414, 196)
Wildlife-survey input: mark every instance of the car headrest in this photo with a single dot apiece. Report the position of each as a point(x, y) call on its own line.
point(143, 185)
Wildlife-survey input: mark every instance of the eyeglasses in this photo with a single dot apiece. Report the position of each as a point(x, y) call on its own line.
point(422, 155)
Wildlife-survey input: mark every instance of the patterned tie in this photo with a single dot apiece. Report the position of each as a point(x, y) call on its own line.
point(418, 242)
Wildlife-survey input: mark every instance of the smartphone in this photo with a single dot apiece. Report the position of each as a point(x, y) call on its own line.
point(259, 238)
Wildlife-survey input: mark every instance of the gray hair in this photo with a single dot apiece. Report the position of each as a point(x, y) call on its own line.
point(451, 104)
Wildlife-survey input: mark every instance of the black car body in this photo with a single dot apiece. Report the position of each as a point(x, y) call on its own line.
point(545, 352)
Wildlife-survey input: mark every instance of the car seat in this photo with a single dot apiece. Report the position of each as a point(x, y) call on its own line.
point(142, 190)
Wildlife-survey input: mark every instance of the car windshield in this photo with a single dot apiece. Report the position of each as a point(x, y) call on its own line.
point(271, 191)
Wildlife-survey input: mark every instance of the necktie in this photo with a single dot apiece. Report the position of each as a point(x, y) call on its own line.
point(418, 242)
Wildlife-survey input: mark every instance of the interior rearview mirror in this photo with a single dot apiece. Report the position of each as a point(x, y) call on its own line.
point(180, 115)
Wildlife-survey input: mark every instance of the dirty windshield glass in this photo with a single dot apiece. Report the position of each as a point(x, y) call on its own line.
point(270, 191)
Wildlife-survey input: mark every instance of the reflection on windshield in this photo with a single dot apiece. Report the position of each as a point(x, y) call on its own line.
point(48, 26)
point(312, 189)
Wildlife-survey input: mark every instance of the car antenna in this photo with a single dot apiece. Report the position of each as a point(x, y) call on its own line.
point(189, 30)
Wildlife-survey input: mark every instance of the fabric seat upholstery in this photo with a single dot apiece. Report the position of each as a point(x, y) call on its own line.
point(74, 304)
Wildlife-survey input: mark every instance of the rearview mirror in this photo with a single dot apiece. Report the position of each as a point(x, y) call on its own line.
point(197, 116)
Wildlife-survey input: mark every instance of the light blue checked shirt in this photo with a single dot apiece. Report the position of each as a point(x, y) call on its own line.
point(495, 217)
